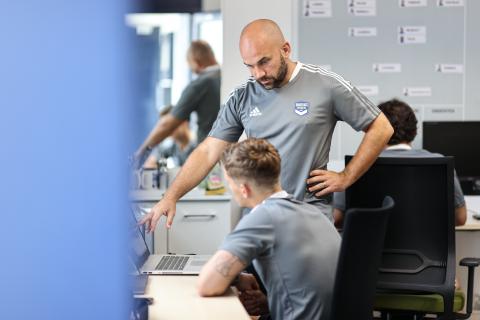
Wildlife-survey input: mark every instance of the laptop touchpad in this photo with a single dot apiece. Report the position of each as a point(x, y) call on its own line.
point(198, 262)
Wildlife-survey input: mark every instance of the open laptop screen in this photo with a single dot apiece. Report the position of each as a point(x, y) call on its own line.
point(139, 250)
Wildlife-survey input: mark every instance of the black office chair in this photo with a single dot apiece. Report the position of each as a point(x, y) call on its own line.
point(359, 259)
point(417, 272)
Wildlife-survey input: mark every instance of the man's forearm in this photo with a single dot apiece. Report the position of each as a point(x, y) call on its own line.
point(164, 128)
point(374, 141)
point(218, 273)
point(460, 215)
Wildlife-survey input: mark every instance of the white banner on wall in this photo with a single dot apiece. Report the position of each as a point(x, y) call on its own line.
point(412, 3)
point(362, 32)
point(317, 8)
point(362, 3)
point(449, 68)
point(412, 34)
point(450, 3)
point(387, 67)
point(412, 39)
point(417, 91)
point(362, 7)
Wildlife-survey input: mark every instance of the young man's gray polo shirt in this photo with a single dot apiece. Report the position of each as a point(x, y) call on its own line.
point(298, 119)
point(294, 248)
point(458, 199)
point(203, 96)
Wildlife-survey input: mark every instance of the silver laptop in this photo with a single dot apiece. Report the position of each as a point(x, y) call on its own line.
point(163, 263)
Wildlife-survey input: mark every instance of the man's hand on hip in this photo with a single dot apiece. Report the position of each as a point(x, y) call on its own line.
point(163, 207)
point(323, 182)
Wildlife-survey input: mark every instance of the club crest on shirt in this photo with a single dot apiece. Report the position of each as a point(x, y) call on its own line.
point(301, 107)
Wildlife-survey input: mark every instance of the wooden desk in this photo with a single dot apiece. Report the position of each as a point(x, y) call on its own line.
point(176, 297)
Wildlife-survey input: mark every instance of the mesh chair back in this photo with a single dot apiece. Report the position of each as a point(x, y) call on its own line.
point(359, 259)
point(419, 253)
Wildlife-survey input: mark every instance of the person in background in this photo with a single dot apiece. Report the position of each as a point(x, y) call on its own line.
point(404, 123)
point(295, 107)
point(292, 244)
point(183, 144)
point(202, 95)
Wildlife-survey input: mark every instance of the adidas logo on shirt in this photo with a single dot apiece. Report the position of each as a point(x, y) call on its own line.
point(255, 112)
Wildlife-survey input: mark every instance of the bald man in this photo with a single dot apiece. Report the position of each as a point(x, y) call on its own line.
point(202, 95)
point(295, 107)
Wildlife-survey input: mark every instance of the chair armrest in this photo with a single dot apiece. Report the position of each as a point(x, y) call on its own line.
point(470, 262)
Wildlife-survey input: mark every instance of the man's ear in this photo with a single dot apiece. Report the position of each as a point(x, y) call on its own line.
point(245, 190)
point(286, 49)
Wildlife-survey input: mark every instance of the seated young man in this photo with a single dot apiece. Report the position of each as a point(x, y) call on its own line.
point(293, 246)
point(404, 123)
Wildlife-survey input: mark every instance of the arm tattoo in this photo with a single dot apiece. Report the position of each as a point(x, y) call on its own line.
point(223, 266)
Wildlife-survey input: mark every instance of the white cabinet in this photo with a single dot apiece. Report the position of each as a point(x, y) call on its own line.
point(199, 226)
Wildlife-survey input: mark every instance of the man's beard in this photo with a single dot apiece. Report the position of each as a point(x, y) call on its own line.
point(278, 79)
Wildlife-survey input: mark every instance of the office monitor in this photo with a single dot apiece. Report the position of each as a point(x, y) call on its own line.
point(460, 139)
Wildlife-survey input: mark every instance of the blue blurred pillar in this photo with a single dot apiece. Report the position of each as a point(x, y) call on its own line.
point(64, 131)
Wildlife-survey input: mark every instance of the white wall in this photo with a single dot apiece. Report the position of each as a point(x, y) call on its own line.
point(211, 5)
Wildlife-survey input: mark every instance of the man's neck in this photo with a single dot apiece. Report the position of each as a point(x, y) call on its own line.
point(398, 145)
point(261, 195)
point(203, 68)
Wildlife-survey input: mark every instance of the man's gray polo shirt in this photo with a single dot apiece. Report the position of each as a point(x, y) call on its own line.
point(298, 119)
point(203, 96)
point(294, 248)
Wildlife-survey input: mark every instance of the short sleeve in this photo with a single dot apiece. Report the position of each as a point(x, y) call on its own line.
point(252, 238)
point(189, 100)
point(351, 106)
point(228, 125)
point(458, 199)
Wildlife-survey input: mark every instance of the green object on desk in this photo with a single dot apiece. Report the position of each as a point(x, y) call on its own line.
point(214, 185)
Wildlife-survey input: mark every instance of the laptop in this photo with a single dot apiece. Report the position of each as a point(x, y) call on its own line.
point(138, 280)
point(172, 264)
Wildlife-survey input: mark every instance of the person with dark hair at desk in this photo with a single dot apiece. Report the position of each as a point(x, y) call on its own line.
point(404, 123)
point(292, 244)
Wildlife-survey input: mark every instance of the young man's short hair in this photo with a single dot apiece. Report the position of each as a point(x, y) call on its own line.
point(402, 119)
point(253, 159)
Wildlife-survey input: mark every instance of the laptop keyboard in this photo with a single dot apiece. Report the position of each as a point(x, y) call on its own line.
point(172, 263)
